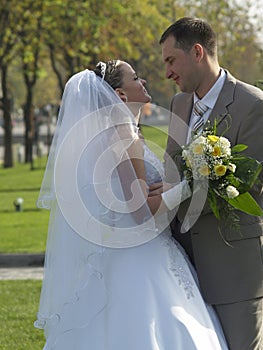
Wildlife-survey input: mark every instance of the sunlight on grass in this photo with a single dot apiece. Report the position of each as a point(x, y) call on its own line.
point(21, 232)
point(18, 307)
point(156, 139)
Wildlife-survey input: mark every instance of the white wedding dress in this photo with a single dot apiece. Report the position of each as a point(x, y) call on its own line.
point(138, 298)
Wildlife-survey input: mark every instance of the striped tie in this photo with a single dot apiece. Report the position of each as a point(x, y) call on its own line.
point(199, 110)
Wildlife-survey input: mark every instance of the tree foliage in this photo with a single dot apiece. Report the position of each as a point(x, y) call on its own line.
point(66, 36)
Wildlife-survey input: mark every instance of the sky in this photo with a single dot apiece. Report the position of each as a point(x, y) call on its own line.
point(256, 13)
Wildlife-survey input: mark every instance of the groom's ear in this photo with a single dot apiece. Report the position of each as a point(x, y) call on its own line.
point(121, 93)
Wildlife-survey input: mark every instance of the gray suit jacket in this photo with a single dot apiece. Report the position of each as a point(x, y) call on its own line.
point(229, 264)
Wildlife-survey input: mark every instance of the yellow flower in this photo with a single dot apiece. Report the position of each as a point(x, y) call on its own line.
point(213, 138)
point(216, 151)
point(198, 149)
point(220, 170)
point(204, 170)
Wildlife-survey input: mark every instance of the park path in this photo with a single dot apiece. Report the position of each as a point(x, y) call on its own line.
point(21, 273)
point(21, 266)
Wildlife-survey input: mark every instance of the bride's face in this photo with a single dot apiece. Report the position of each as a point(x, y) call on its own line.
point(133, 86)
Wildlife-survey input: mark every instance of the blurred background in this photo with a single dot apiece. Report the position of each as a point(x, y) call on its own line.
point(44, 42)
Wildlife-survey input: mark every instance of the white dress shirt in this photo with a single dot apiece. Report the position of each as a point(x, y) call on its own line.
point(209, 100)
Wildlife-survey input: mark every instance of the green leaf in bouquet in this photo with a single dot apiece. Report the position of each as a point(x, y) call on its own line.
point(212, 200)
point(233, 180)
point(238, 148)
point(246, 203)
point(247, 171)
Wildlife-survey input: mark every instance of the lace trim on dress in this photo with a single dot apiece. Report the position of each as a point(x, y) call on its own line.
point(178, 262)
point(179, 267)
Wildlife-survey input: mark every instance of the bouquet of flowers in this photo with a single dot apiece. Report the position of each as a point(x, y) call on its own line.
point(227, 173)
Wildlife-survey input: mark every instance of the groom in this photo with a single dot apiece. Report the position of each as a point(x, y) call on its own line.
point(228, 263)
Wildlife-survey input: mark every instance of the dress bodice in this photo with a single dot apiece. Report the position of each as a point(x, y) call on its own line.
point(153, 167)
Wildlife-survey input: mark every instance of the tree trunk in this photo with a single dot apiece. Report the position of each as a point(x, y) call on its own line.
point(61, 82)
point(29, 126)
point(6, 105)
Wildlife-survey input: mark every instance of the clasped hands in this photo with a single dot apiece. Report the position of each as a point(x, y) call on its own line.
point(158, 188)
point(172, 195)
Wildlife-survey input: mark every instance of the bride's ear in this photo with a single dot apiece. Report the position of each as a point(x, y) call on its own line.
point(121, 93)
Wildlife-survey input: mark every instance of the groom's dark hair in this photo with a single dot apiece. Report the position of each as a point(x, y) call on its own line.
point(188, 31)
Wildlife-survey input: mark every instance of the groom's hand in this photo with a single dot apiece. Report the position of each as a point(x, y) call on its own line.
point(158, 188)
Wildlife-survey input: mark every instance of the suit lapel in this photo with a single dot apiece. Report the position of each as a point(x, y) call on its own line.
point(181, 118)
point(220, 111)
point(226, 97)
point(178, 129)
point(184, 109)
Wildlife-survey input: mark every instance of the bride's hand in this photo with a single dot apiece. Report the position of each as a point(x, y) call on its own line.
point(158, 188)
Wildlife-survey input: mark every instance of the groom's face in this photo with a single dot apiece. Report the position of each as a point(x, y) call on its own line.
point(181, 66)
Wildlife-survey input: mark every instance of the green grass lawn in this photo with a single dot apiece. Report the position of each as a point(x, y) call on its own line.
point(156, 139)
point(18, 308)
point(21, 232)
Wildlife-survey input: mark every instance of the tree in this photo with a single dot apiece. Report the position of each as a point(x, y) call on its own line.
point(79, 34)
point(131, 33)
point(10, 25)
point(29, 50)
point(68, 34)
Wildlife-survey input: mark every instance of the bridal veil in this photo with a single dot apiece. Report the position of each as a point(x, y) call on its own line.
point(89, 208)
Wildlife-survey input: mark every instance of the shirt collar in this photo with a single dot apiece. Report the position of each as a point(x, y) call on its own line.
point(211, 96)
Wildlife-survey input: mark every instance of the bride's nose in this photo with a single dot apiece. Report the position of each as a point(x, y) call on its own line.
point(143, 81)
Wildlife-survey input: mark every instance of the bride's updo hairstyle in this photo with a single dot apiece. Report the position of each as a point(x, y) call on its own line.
point(111, 72)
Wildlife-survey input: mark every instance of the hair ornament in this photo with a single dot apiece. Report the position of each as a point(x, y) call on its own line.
point(103, 67)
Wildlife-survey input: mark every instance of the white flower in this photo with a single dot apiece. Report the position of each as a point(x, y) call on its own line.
point(225, 146)
point(185, 154)
point(231, 192)
point(200, 140)
point(224, 142)
point(198, 149)
point(204, 170)
point(232, 167)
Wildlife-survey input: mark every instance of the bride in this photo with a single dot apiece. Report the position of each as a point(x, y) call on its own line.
point(114, 278)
